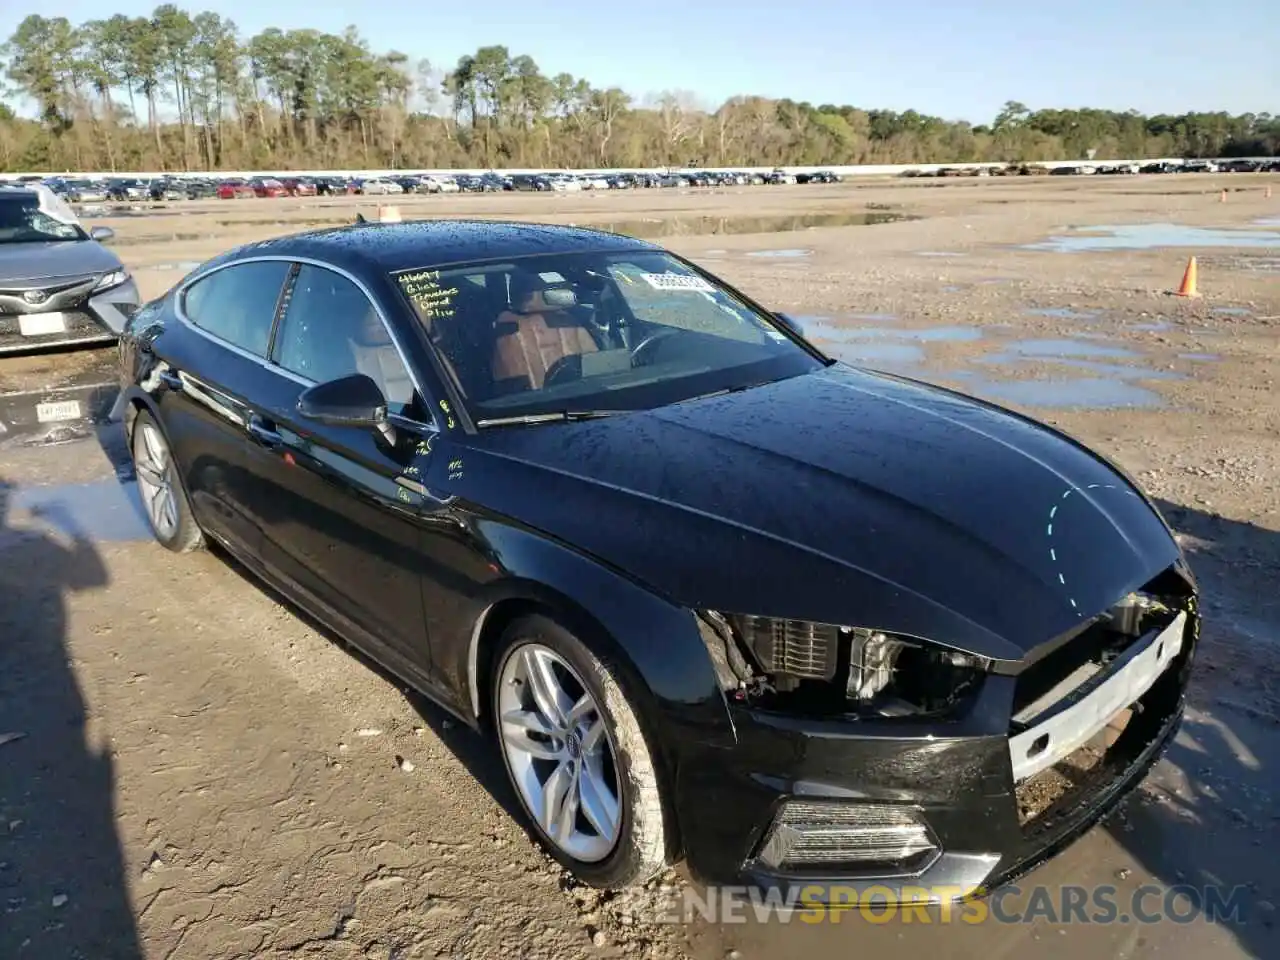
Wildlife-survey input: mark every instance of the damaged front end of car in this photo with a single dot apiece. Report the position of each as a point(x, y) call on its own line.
point(865, 758)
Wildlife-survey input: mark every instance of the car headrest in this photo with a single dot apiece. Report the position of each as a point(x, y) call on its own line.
point(536, 292)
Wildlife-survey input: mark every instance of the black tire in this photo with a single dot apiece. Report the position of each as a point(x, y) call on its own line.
point(644, 845)
point(186, 535)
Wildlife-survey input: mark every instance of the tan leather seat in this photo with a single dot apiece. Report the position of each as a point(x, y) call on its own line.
point(374, 354)
point(528, 344)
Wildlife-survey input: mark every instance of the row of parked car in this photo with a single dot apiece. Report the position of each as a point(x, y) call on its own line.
point(201, 187)
point(1087, 169)
point(84, 190)
point(78, 190)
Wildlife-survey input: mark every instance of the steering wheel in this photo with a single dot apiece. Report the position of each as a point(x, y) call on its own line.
point(641, 351)
point(563, 369)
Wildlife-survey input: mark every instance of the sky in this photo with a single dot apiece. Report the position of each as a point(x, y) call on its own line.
point(958, 60)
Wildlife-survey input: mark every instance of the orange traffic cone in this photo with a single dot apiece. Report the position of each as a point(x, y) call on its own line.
point(1223, 198)
point(1188, 288)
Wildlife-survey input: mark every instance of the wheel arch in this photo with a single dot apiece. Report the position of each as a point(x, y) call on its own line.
point(132, 402)
point(521, 599)
point(653, 643)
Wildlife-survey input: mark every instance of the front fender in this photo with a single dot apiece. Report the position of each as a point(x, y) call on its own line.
point(654, 640)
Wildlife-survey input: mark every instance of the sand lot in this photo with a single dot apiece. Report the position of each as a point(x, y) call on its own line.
point(201, 774)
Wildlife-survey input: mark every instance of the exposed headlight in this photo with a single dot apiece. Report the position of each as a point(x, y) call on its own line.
point(854, 669)
point(895, 676)
point(112, 279)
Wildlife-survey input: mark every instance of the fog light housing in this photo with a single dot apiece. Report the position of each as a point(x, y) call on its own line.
point(828, 837)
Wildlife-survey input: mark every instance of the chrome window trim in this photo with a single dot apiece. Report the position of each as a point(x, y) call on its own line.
point(179, 310)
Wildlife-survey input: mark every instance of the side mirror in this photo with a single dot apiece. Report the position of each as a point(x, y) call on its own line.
point(353, 401)
point(791, 323)
point(101, 234)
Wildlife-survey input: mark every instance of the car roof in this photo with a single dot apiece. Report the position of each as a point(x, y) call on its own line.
point(389, 247)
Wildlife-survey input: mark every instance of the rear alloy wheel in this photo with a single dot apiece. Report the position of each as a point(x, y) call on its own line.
point(163, 499)
point(576, 755)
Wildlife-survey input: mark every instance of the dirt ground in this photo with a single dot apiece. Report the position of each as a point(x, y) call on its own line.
point(199, 773)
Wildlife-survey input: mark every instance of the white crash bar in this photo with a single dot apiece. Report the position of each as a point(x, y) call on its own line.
point(1046, 743)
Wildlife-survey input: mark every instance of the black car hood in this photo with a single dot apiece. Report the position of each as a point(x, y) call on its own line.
point(55, 258)
point(841, 496)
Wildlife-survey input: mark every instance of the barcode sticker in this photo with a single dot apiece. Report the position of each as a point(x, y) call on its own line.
point(677, 281)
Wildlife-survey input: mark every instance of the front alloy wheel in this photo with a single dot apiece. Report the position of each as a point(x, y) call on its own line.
point(558, 751)
point(160, 488)
point(577, 757)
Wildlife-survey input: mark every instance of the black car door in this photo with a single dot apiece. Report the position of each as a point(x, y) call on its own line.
point(338, 505)
point(206, 372)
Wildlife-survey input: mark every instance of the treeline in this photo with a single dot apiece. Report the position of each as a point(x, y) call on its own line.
point(184, 91)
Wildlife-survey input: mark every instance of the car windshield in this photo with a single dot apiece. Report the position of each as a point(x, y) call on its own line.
point(594, 333)
point(22, 221)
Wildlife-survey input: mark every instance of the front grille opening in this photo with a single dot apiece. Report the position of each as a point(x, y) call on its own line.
point(1053, 797)
point(1090, 651)
point(1079, 771)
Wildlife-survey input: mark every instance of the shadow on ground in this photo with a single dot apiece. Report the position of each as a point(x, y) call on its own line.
point(1208, 818)
point(473, 750)
point(1207, 821)
point(62, 883)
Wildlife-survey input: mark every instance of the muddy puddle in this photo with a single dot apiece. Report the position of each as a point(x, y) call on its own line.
point(1076, 393)
point(104, 510)
point(652, 227)
point(824, 329)
point(1079, 372)
point(1115, 370)
point(57, 397)
point(1066, 347)
point(792, 253)
point(1150, 236)
point(1063, 313)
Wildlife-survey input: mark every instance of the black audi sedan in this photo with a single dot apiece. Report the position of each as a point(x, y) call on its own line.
point(712, 594)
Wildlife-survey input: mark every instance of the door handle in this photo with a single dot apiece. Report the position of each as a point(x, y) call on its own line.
point(264, 432)
point(170, 379)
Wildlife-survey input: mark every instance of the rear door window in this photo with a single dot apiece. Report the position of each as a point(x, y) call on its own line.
point(237, 304)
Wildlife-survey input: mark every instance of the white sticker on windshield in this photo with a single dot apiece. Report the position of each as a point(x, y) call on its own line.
point(677, 281)
point(552, 277)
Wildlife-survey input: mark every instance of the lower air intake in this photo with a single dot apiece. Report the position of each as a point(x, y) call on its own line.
point(833, 838)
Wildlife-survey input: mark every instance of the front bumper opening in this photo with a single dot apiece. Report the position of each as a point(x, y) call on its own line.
point(1083, 770)
point(975, 802)
point(823, 837)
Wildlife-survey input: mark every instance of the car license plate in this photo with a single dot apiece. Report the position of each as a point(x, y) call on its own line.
point(58, 410)
point(39, 324)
